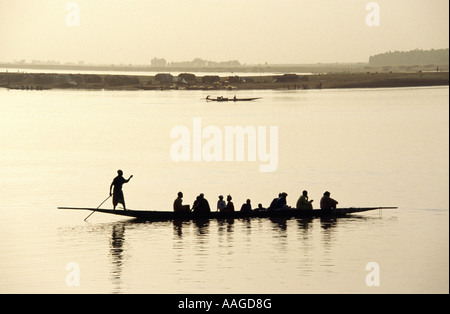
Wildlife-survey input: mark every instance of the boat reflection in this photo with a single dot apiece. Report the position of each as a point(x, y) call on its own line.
point(202, 226)
point(195, 243)
point(116, 252)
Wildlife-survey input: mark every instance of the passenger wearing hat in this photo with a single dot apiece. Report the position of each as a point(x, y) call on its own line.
point(327, 203)
point(117, 193)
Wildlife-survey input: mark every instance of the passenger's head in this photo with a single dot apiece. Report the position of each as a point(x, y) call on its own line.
point(180, 194)
point(305, 193)
point(327, 194)
point(229, 198)
point(220, 197)
point(120, 172)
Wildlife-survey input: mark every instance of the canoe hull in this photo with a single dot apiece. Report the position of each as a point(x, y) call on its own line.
point(169, 215)
point(232, 99)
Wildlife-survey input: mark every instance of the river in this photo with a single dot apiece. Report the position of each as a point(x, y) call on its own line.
point(368, 147)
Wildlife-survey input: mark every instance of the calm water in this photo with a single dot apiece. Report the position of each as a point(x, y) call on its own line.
point(386, 147)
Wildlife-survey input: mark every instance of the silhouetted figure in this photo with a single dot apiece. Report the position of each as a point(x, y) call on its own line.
point(195, 205)
point(281, 202)
point(260, 208)
point(117, 193)
point(230, 205)
point(303, 202)
point(201, 205)
point(221, 204)
point(274, 202)
point(327, 203)
point(247, 206)
point(178, 206)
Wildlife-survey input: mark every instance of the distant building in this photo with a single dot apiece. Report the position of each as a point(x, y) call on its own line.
point(158, 62)
point(290, 78)
point(234, 79)
point(210, 79)
point(287, 78)
point(188, 77)
point(164, 78)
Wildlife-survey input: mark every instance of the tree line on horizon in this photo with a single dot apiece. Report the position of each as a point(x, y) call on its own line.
point(197, 63)
point(412, 57)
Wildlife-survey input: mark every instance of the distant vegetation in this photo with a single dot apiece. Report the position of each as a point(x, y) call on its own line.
point(196, 63)
point(413, 57)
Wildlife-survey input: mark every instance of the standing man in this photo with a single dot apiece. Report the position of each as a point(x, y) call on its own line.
point(117, 193)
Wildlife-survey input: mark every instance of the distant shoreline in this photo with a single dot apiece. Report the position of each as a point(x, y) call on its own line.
point(251, 69)
point(186, 81)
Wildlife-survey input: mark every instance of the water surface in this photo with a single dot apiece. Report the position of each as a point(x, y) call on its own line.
point(386, 147)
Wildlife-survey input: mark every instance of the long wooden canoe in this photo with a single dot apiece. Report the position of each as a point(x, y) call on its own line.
point(153, 215)
point(220, 99)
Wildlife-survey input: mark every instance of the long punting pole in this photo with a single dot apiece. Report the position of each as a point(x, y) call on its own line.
point(97, 207)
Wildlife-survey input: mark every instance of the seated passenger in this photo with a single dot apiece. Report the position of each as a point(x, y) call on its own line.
point(260, 208)
point(178, 206)
point(304, 203)
point(230, 205)
point(221, 204)
point(201, 205)
point(274, 202)
point(327, 203)
point(281, 202)
point(246, 207)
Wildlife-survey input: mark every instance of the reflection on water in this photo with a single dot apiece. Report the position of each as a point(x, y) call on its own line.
point(57, 137)
point(209, 246)
point(116, 252)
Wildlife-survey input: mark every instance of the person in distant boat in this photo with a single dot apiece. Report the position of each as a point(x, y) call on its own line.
point(221, 204)
point(327, 203)
point(303, 202)
point(247, 206)
point(117, 192)
point(230, 205)
point(201, 205)
point(178, 206)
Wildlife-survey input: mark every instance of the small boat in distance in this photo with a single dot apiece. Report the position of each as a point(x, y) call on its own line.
point(221, 98)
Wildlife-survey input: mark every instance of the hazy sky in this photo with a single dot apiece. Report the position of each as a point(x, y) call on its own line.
point(251, 31)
